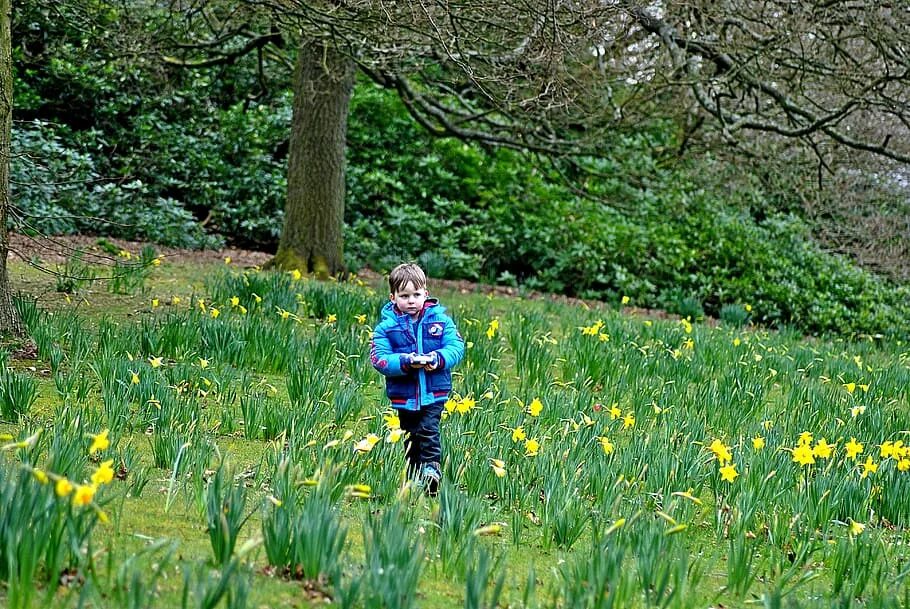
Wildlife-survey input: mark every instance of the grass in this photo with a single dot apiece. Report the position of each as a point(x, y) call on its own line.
point(630, 453)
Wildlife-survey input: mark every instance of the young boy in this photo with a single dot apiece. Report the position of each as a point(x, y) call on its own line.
point(415, 346)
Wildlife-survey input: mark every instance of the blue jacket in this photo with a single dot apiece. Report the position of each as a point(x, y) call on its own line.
point(397, 335)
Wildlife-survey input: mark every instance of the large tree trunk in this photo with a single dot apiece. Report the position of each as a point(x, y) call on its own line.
point(9, 317)
point(312, 238)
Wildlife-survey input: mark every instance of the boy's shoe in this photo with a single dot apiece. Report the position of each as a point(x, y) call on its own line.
point(430, 476)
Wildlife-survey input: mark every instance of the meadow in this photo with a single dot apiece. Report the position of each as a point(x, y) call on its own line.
point(209, 436)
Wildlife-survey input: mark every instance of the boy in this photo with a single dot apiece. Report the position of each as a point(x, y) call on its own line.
point(415, 346)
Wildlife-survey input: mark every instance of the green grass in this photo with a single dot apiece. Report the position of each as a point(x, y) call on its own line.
point(624, 495)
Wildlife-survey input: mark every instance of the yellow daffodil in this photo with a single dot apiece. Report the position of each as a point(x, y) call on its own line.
point(367, 444)
point(256, 298)
point(499, 467)
point(235, 301)
point(855, 411)
point(606, 445)
point(214, 313)
point(156, 261)
point(737, 342)
point(535, 407)
point(615, 412)
point(203, 363)
point(450, 405)
point(465, 405)
point(99, 442)
point(394, 435)
point(802, 454)
point(296, 275)
point(154, 302)
point(40, 476)
point(175, 300)
point(853, 448)
point(155, 361)
point(856, 528)
point(805, 438)
point(63, 487)
point(822, 449)
point(758, 442)
point(850, 387)
point(887, 449)
point(532, 447)
point(869, 467)
point(332, 318)
point(628, 421)
point(242, 309)
point(491, 329)
point(728, 473)
point(104, 474)
point(721, 451)
point(625, 300)
point(518, 434)
point(84, 494)
point(392, 421)
point(361, 319)
point(134, 377)
point(903, 464)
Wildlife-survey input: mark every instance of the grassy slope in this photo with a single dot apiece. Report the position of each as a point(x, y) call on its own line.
point(682, 396)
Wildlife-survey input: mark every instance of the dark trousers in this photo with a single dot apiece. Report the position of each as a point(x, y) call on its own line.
point(423, 435)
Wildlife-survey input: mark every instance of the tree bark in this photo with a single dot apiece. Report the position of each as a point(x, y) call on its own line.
point(312, 238)
point(9, 316)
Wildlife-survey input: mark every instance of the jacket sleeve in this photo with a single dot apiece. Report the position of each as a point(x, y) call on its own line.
point(452, 350)
point(383, 358)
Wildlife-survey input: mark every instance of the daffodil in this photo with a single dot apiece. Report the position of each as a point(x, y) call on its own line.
point(332, 318)
point(203, 363)
point(822, 449)
point(887, 449)
point(853, 448)
point(535, 407)
point(214, 313)
point(758, 442)
point(99, 442)
point(134, 377)
point(518, 434)
point(499, 467)
point(869, 467)
point(450, 405)
point(154, 302)
point(104, 474)
point(492, 328)
point(40, 476)
point(802, 454)
point(361, 319)
point(805, 438)
point(615, 412)
point(367, 444)
point(855, 411)
point(227, 259)
point(728, 473)
point(856, 528)
point(155, 361)
point(84, 494)
point(175, 300)
point(63, 487)
point(628, 421)
point(721, 452)
point(850, 387)
point(392, 421)
point(465, 405)
point(394, 436)
point(532, 447)
point(625, 300)
point(235, 301)
point(606, 445)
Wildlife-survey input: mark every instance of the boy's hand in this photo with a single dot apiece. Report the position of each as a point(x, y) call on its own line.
point(412, 360)
point(433, 362)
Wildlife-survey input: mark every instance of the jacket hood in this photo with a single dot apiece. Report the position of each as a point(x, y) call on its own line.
point(431, 308)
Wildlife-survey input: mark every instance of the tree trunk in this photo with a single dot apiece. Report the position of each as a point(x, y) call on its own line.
point(312, 238)
point(9, 317)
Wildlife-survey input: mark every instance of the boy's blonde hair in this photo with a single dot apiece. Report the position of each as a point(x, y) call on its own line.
point(406, 273)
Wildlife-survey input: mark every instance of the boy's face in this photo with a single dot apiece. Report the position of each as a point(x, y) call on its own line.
point(409, 299)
